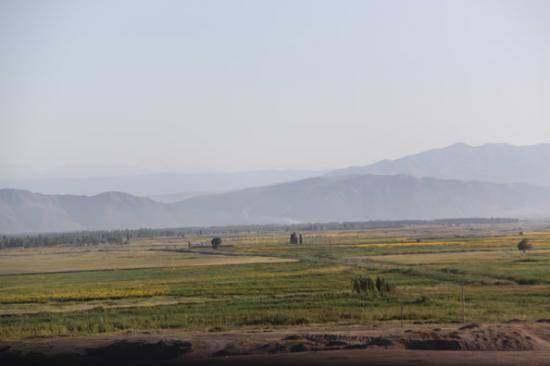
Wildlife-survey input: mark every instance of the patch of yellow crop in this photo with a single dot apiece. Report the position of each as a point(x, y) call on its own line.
point(537, 234)
point(409, 244)
point(455, 257)
point(319, 271)
point(481, 242)
point(98, 294)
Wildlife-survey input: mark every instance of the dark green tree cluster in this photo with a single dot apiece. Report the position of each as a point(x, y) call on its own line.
point(524, 245)
point(296, 239)
point(366, 285)
point(216, 242)
point(83, 238)
point(293, 238)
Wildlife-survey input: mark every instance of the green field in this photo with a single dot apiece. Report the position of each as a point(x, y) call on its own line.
point(259, 280)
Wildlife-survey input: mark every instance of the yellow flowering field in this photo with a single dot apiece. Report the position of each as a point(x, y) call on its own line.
point(87, 295)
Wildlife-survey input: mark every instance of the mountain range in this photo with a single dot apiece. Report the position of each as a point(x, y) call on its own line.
point(24, 211)
point(366, 197)
point(160, 186)
point(492, 180)
point(499, 163)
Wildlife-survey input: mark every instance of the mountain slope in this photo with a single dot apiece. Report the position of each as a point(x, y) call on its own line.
point(24, 211)
point(160, 184)
point(322, 199)
point(499, 163)
point(366, 197)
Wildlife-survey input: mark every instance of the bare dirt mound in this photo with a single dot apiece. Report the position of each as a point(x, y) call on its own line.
point(180, 347)
point(474, 337)
point(471, 337)
point(124, 352)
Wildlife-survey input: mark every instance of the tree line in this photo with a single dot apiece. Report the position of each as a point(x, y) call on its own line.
point(83, 238)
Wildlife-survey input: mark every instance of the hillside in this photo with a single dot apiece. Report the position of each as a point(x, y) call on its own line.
point(162, 186)
point(24, 211)
point(321, 199)
point(499, 163)
point(366, 197)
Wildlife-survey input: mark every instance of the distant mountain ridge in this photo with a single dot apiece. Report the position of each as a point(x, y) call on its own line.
point(321, 199)
point(453, 182)
point(24, 211)
point(176, 197)
point(367, 197)
point(498, 163)
point(160, 184)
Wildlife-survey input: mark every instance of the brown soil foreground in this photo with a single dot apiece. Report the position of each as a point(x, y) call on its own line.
point(506, 344)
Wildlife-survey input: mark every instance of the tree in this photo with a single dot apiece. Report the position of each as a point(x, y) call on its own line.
point(369, 287)
point(524, 245)
point(363, 285)
point(293, 238)
point(216, 242)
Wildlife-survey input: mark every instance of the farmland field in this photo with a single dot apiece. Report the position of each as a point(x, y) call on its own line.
point(52, 260)
point(260, 281)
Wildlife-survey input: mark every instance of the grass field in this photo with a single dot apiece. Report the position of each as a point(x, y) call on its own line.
point(261, 281)
point(53, 260)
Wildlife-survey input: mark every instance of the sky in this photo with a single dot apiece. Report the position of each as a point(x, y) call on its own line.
point(99, 87)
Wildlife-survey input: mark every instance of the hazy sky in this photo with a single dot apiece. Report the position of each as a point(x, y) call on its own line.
point(244, 85)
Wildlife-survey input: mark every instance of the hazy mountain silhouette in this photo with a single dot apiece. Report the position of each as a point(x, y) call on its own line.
point(321, 199)
point(163, 186)
point(23, 211)
point(366, 197)
point(176, 197)
point(500, 163)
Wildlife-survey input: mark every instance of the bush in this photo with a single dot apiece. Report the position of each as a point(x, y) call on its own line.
point(216, 242)
point(524, 245)
point(420, 300)
point(378, 287)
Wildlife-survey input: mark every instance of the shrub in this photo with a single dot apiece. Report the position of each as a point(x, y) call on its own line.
point(420, 300)
point(216, 242)
point(524, 245)
point(365, 285)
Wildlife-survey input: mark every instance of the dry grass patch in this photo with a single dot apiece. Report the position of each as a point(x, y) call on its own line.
point(91, 260)
point(455, 257)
